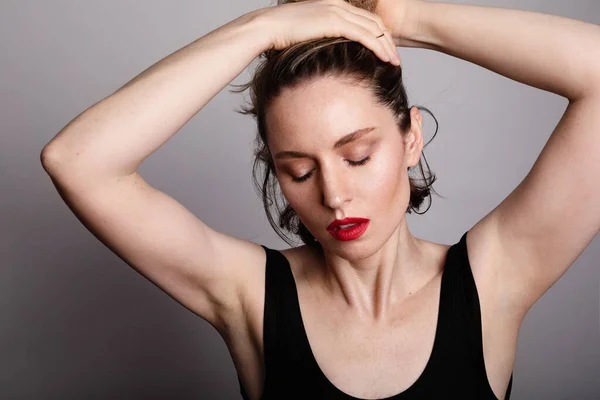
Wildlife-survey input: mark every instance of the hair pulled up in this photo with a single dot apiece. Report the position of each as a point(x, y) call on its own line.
point(297, 64)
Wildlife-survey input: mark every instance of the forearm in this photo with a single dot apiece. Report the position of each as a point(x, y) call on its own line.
point(548, 52)
point(115, 135)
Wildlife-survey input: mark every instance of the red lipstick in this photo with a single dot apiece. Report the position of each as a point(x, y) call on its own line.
point(348, 233)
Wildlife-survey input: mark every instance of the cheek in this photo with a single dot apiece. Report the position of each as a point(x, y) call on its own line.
point(389, 181)
point(296, 196)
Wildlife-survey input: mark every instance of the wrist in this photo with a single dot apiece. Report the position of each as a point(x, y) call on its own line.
point(412, 28)
point(262, 27)
point(255, 25)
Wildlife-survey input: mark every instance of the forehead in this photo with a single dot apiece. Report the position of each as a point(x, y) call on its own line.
point(320, 112)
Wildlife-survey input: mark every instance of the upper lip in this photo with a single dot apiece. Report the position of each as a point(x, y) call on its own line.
point(351, 220)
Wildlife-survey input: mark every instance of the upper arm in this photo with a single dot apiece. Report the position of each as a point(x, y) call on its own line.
point(544, 225)
point(204, 270)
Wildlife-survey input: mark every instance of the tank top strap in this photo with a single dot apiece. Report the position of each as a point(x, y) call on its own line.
point(270, 310)
point(460, 319)
point(274, 282)
point(284, 344)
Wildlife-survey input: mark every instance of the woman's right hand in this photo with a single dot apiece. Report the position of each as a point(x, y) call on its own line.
point(305, 20)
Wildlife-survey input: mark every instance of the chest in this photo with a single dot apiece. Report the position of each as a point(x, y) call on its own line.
point(372, 362)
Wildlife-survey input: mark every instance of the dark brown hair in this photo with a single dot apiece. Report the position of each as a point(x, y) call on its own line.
point(288, 68)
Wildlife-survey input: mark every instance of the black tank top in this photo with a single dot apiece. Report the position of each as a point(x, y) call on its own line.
point(455, 369)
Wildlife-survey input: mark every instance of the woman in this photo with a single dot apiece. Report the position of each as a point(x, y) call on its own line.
point(364, 311)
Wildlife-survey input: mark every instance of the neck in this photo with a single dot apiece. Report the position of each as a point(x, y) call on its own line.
point(372, 284)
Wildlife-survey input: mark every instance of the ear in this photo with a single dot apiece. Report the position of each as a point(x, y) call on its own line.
point(413, 140)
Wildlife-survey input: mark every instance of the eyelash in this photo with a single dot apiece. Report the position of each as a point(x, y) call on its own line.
point(352, 163)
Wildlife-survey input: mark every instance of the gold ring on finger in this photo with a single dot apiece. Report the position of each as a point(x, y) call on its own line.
point(382, 34)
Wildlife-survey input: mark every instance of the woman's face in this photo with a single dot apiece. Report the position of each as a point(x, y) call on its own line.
point(322, 181)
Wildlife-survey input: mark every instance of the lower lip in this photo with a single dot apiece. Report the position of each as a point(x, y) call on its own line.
point(350, 233)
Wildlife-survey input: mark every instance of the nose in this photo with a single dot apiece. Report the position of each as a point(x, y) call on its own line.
point(335, 187)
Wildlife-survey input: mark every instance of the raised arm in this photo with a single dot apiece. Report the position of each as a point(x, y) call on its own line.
point(543, 226)
point(93, 161)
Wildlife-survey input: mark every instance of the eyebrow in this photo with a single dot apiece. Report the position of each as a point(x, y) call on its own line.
point(351, 137)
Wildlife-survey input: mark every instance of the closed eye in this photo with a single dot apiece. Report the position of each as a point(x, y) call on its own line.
point(352, 163)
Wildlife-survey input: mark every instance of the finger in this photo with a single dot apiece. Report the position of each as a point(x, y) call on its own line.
point(366, 14)
point(358, 33)
point(371, 26)
point(392, 48)
point(388, 35)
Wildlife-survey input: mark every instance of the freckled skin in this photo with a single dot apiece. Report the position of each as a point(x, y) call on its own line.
point(310, 118)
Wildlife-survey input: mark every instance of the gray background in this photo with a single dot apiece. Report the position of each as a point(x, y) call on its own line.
point(78, 323)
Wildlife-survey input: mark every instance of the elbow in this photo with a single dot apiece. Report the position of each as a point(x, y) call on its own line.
point(53, 159)
point(48, 157)
point(64, 164)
